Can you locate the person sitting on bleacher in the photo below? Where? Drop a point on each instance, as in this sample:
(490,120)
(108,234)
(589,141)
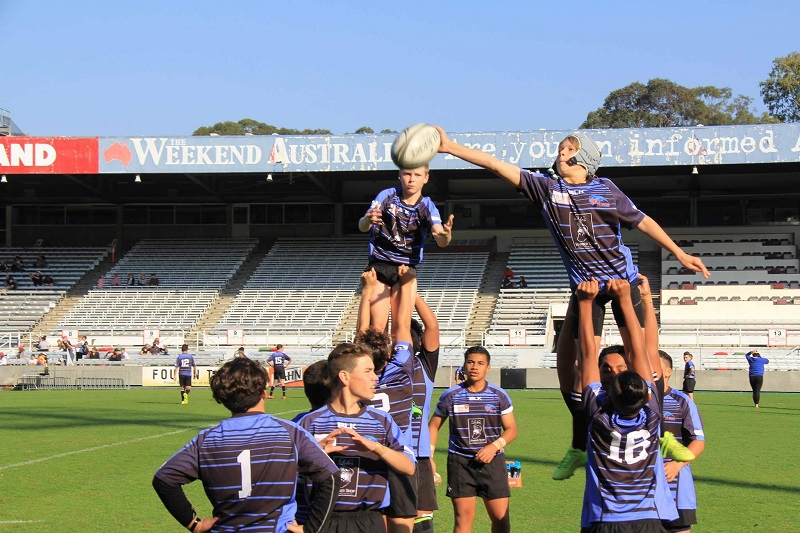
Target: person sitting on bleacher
(10,282)
(43,345)
(157,348)
(17,265)
(36,278)
(142,280)
(3,358)
(154,281)
(40,261)
(522,283)
(48,281)
(116,355)
(145,350)
(4,266)
(93,353)
(131,280)
(507,283)
(115,281)
(33,360)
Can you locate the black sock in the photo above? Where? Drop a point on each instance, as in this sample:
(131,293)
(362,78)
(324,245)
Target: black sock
(424,526)
(271,390)
(283,388)
(183,392)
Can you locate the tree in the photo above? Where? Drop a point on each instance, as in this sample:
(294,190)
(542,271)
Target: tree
(663,103)
(364,129)
(781,90)
(387,130)
(253,127)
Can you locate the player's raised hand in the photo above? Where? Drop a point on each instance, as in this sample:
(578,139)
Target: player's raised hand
(618,288)
(447,228)
(444,141)
(587,290)
(693,263)
(374,214)
(644,288)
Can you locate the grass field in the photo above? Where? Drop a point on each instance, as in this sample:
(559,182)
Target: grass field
(83,460)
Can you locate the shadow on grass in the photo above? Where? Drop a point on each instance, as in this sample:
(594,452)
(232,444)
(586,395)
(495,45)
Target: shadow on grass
(50,419)
(791,489)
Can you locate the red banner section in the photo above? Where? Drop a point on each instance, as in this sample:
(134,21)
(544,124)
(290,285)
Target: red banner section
(48,155)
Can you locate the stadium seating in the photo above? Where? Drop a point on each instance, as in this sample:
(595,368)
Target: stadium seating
(191,273)
(22,308)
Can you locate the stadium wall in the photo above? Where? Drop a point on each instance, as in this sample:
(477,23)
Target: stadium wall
(535,378)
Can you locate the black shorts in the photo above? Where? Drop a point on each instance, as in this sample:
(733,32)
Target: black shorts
(633,526)
(688,384)
(599,311)
(686,517)
(426,488)
(467,477)
(387,272)
(402,494)
(185,381)
(279,372)
(356,522)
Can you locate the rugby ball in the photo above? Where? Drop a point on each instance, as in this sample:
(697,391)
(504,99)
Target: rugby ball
(415,146)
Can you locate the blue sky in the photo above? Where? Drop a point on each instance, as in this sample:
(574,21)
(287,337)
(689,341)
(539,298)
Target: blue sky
(146,67)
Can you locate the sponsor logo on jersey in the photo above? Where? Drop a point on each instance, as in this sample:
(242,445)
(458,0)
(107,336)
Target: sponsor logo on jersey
(599,201)
(461,408)
(490,408)
(559,197)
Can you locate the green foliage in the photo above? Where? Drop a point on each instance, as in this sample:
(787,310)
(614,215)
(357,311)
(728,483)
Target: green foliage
(781,90)
(364,129)
(664,103)
(387,130)
(253,127)
(84,460)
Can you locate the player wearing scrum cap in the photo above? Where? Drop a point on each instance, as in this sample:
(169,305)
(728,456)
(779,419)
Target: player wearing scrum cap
(585,215)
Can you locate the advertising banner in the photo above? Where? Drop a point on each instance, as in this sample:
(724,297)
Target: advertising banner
(164,376)
(48,155)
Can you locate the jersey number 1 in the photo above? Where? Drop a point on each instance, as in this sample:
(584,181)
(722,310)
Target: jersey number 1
(247,482)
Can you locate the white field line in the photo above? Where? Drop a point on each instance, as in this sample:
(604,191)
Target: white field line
(104,446)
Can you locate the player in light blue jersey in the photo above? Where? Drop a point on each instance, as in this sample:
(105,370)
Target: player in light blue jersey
(682,419)
(398,221)
(249,464)
(481,426)
(626,488)
(363,441)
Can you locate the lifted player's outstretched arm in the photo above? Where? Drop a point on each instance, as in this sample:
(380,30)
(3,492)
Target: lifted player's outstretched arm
(620,290)
(589,370)
(652,229)
(507,171)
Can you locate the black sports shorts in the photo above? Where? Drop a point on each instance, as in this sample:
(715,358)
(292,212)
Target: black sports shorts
(356,522)
(387,272)
(185,381)
(688,384)
(633,526)
(466,477)
(426,488)
(599,311)
(402,494)
(279,372)
(686,517)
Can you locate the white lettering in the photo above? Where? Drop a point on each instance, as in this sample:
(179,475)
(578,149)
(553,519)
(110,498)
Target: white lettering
(748,144)
(22,155)
(796,145)
(27,155)
(767,143)
(340,153)
(44,155)
(728,145)
(536,150)
(518,148)
(634,151)
(651,143)
(604,147)
(358,154)
(149,149)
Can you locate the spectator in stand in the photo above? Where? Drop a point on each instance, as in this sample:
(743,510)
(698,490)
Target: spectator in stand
(508,273)
(240,352)
(123,354)
(145,350)
(17,265)
(43,345)
(42,359)
(507,284)
(93,353)
(116,355)
(756,373)
(131,280)
(154,281)
(22,353)
(523,284)
(157,348)
(82,347)
(142,280)
(101,283)
(33,360)
(115,281)
(10,282)
(3,358)
(48,281)
(4,266)
(36,278)
(40,261)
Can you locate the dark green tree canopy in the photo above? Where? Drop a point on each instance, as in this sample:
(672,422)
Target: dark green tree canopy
(664,103)
(253,127)
(781,90)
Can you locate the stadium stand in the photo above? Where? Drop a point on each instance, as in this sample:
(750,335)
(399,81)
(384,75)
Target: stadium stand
(191,272)
(22,308)
(304,286)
